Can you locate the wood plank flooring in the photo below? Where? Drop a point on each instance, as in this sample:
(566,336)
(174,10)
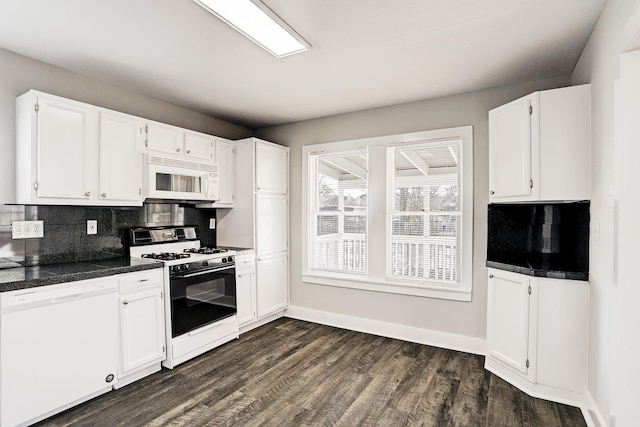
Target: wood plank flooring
(294,373)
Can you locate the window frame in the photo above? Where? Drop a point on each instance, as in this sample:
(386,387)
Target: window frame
(378,277)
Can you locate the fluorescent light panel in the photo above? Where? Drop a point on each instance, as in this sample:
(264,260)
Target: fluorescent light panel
(258,23)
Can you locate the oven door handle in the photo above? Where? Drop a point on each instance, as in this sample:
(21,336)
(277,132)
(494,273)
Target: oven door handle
(200,273)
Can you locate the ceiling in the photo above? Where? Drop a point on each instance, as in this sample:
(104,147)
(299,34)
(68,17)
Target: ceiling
(365,53)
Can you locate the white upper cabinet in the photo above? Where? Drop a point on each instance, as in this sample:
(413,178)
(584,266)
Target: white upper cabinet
(272,164)
(166,139)
(540,147)
(199,146)
(70,153)
(120,157)
(175,141)
(510,150)
(56,142)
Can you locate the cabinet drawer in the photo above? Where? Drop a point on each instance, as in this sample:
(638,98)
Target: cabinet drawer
(245,264)
(141,280)
(212,336)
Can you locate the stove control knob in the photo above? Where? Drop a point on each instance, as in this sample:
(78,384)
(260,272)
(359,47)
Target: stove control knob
(224,260)
(186,266)
(230,259)
(205,263)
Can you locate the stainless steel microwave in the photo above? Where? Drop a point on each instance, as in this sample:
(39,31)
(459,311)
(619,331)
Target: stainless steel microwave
(177,179)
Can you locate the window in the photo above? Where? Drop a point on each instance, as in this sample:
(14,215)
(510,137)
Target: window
(391,214)
(339,207)
(425,211)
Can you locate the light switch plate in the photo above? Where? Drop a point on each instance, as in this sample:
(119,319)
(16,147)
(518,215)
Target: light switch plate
(212,223)
(92,226)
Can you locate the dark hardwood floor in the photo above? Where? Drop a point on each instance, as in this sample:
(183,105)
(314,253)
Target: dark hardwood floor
(294,373)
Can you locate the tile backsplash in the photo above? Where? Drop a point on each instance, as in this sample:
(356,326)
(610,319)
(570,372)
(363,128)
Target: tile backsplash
(65,230)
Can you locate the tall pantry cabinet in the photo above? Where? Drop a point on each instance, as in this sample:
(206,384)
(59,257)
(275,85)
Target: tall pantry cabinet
(260,220)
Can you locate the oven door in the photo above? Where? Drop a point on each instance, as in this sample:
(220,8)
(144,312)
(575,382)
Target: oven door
(201,298)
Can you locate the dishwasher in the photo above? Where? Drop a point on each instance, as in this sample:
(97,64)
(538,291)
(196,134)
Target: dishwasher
(58,347)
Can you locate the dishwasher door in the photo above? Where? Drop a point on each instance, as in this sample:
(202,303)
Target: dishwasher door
(58,347)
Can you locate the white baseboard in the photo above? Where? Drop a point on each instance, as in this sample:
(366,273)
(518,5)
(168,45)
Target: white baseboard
(592,414)
(390,330)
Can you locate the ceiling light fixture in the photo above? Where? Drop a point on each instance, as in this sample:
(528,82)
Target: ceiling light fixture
(258,23)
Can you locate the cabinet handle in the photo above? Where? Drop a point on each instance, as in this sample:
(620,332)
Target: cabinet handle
(492,192)
(491,276)
(87,193)
(104,194)
(125,302)
(178,150)
(143,280)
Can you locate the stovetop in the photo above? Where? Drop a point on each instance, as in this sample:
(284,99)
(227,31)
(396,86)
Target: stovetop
(174,245)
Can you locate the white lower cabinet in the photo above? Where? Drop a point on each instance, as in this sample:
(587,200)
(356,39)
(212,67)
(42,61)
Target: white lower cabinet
(272,283)
(142,335)
(537,334)
(246,289)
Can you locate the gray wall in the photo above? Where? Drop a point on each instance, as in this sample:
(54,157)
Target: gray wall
(615,32)
(460,318)
(18,74)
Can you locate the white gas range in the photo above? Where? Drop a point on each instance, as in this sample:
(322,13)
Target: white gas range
(200,285)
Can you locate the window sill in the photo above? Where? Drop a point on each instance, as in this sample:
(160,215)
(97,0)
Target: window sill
(421,290)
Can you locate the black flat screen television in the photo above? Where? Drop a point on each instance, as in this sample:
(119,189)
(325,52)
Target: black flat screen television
(545,237)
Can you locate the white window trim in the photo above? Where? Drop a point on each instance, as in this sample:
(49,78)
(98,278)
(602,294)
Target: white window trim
(380,282)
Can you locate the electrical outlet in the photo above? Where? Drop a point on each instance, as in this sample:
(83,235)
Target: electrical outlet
(92,226)
(27,229)
(212,223)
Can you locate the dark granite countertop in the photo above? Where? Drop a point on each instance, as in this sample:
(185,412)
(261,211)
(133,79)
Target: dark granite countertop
(14,277)
(551,274)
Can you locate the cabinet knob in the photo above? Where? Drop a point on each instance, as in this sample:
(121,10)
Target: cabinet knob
(492,192)
(188,151)
(125,302)
(491,276)
(104,194)
(178,150)
(87,193)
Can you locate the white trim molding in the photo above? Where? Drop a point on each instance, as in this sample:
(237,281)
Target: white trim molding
(390,330)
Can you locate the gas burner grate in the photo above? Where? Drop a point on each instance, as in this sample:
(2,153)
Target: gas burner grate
(204,250)
(166,256)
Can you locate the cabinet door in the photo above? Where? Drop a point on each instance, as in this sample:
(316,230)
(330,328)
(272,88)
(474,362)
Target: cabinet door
(246,296)
(272,168)
(225,161)
(272,279)
(164,139)
(271,223)
(198,146)
(67,138)
(120,169)
(510,158)
(141,328)
(508,318)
